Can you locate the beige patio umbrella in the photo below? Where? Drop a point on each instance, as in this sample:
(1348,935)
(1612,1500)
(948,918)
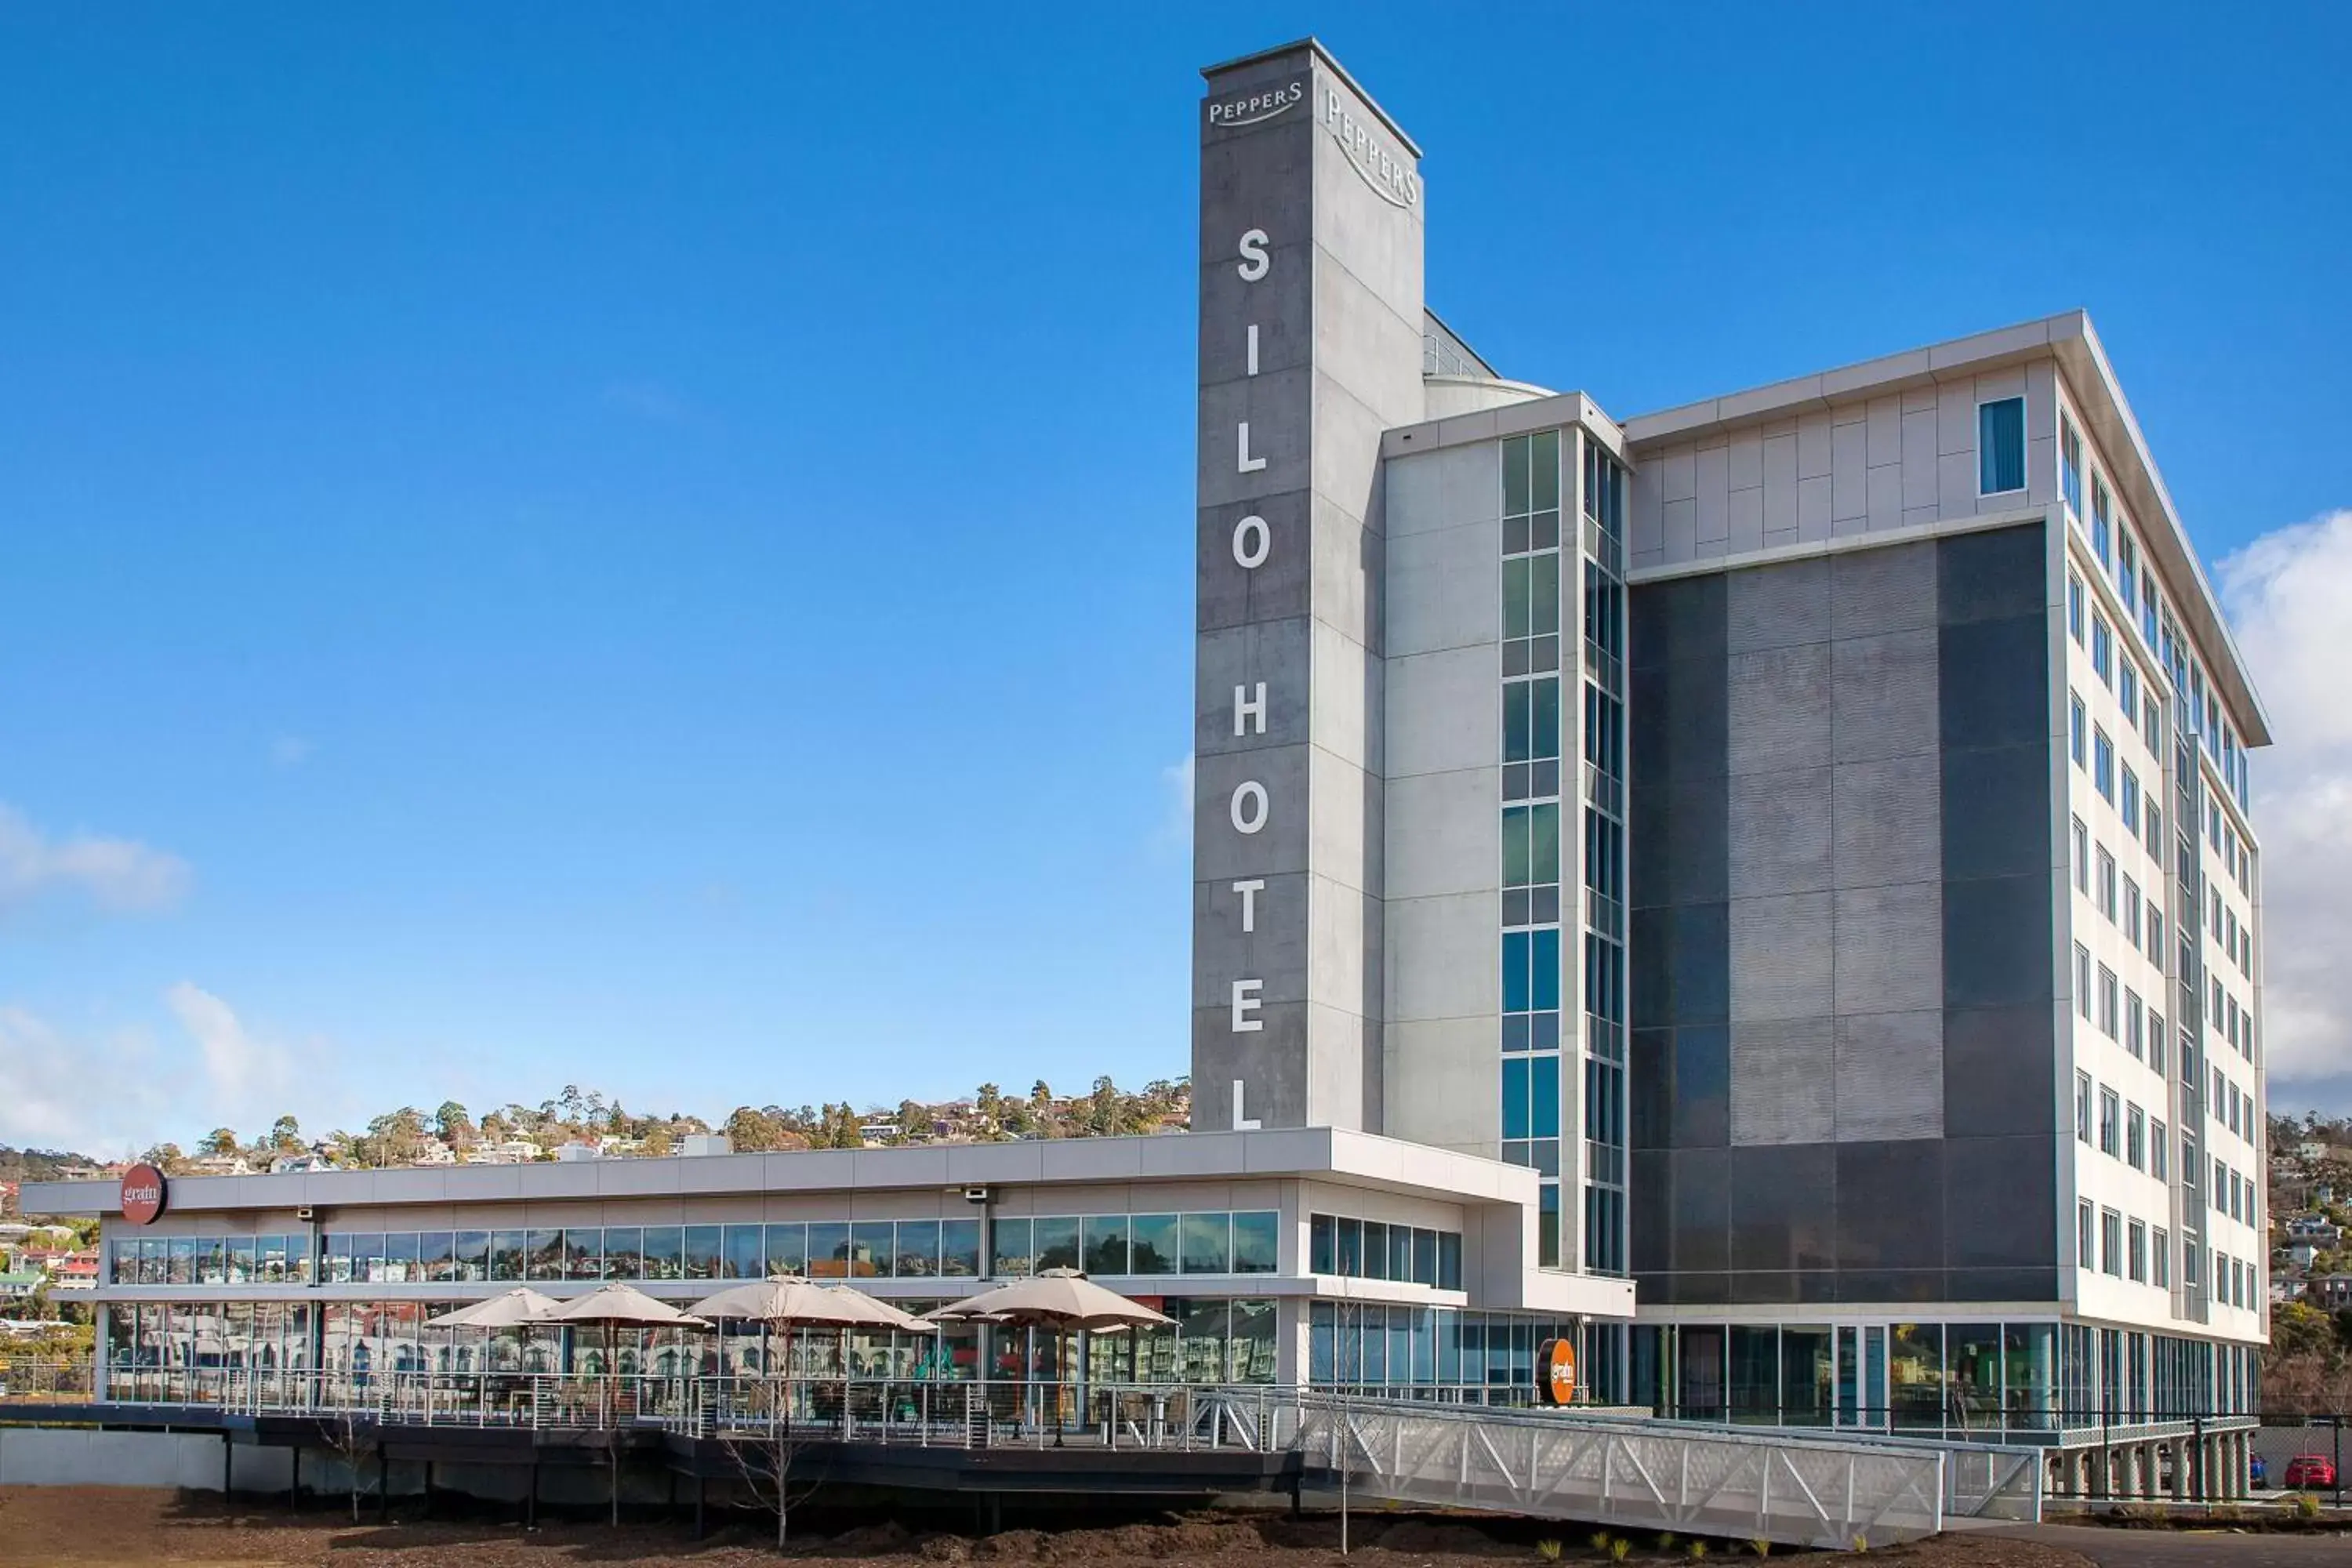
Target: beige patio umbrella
(507,1309)
(791,1303)
(1062,1299)
(515,1308)
(618,1306)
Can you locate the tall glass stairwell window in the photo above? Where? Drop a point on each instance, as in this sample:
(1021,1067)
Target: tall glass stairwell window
(1604,859)
(1532,960)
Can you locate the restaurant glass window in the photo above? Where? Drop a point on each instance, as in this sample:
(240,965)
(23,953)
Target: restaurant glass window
(917,1250)
(583,1252)
(786,1249)
(1252,1332)
(1376,1250)
(664,1252)
(1257,1242)
(402,1259)
(625,1252)
(1915,1375)
(1322,1246)
(1012,1245)
(1208,1244)
(506,1254)
(1057,1243)
(873,1245)
(1105,1244)
(742,1253)
(960,1249)
(1153,1244)
(544,1254)
(437,1257)
(704,1248)
(240,1260)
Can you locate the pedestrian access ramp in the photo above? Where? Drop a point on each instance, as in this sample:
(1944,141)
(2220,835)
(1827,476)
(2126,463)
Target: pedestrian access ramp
(1792,1489)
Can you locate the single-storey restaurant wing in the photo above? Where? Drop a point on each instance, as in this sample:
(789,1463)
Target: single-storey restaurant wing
(1280,1256)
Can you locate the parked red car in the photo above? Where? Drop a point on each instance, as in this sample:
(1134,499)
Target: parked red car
(2306,1472)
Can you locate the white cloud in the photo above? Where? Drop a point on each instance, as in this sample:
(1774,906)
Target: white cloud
(115,1091)
(235,1065)
(115,874)
(289,752)
(2289,595)
(94,1094)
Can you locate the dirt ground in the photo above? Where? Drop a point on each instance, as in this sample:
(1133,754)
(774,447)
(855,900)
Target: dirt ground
(109,1528)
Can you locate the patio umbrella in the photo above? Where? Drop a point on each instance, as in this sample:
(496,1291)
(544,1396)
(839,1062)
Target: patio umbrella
(507,1309)
(618,1306)
(515,1308)
(1061,1299)
(789,1302)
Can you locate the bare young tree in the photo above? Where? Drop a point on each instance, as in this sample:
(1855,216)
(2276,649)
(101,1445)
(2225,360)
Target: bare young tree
(763,1456)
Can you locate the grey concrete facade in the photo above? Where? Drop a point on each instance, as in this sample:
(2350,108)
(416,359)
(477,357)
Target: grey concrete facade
(1310,347)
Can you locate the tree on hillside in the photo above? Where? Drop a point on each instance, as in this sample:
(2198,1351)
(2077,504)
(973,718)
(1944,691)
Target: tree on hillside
(220,1141)
(455,1126)
(286,1135)
(751,1131)
(166,1158)
(659,1139)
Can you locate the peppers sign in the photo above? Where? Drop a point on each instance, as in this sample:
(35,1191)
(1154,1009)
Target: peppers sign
(143,1194)
(1555,1371)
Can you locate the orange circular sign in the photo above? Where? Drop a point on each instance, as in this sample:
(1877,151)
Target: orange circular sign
(1555,1361)
(144,1192)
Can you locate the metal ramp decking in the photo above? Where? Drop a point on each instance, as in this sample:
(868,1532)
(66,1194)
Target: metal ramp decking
(1628,1473)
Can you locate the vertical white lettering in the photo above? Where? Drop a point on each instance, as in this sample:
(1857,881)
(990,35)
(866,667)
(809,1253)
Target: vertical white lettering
(1254,262)
(1242,1121)
(1249,888)
(1253,542)
(1248,807)
(1247,707)
(1253,348)
(1245,1002)
(1245,463)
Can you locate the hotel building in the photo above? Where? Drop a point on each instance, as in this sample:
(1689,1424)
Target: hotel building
(1763,887)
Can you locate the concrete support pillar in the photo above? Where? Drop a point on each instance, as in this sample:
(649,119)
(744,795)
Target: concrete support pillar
(2240,1453)
(2177,1451)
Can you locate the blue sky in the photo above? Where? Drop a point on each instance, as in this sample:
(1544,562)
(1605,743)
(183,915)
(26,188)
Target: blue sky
(653,551)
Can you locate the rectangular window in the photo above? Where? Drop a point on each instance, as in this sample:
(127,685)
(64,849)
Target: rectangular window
(2155,933)
(2107,1024)
(2136,1264)
(2188,1262)
(2083,979)
(2099,540)
(2134,1021)
(2135,1138)
(2127,689)
(2070,466)
(2159,1153)
(2161,1255)
(2111,1117)
(2103,651)
(2111,1242)
(2082,1106)
(2082,857)
(2000,445)
(2082,1222)
(2151,727)
(2074,607)
(2107,884)
(2127,565)
(2130,804)
(2103,765)
(2131,912)
(2148,610)
(2078,725)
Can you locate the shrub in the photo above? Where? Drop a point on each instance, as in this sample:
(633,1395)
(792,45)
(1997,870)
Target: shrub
(1548,1549)
(2306,1505)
